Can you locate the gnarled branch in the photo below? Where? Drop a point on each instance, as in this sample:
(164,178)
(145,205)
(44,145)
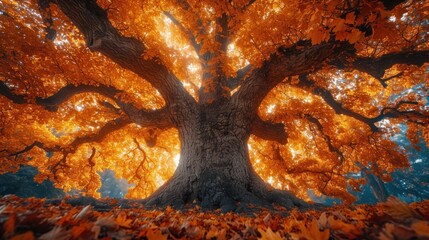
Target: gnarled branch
(108,128)
(326,95)
(301,58)
(376,67)
(156,118)
(385,113)
(327,138)
(52,102)
(269,131)
(128,52)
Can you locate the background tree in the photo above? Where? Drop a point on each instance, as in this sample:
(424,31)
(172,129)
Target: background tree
(298,93)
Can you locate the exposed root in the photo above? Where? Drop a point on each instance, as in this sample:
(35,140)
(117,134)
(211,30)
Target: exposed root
(216,193)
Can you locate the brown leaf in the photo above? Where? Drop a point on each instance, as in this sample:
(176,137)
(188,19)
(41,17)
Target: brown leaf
(9,225)
(421,228)
(24,236)
(57,233)
(269,235)
(398,209)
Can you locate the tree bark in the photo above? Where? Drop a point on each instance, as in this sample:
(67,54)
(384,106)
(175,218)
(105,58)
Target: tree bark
(214,169)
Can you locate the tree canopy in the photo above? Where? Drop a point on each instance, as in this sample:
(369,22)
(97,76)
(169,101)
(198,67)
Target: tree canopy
(90,85)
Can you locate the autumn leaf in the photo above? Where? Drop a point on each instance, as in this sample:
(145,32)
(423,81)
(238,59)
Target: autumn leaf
(155,234)
(9,225)
(350,18)
(421,228)
(123,221)
(316,36)
(24,236)
(398,209)
(269,235)
(57,233)
(354,36)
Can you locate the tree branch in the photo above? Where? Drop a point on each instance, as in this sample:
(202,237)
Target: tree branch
(301,58)
(191,37)
(52,102)
(234,82)
(269,131)
(156,118)
(108,128)
(386,112)
(35,144)
(376,67)
(327,138)
(128,52)
(421,118)
(326,95)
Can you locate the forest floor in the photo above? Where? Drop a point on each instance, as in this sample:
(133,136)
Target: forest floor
(31,218)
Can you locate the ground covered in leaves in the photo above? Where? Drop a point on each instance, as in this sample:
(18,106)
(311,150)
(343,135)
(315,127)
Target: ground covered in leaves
(34,219)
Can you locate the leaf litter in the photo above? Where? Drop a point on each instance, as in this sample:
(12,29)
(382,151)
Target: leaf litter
(32,218)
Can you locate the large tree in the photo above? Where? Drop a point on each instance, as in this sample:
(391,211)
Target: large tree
(296,93)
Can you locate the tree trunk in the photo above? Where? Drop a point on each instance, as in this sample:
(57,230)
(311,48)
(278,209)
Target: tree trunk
(214,169)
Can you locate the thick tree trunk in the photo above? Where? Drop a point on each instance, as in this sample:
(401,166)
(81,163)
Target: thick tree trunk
(214,169)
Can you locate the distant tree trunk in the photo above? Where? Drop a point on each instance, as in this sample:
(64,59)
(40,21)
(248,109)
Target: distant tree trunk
(214,169)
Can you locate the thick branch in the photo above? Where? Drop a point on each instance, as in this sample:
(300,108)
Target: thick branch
(301,58)
(391,4)
(421,118)
(108,128)
(214,85)
(376,67)
(156,118)
(236,81)
(387,112)
(35,144)
(5,91)
(269,131)
(128,52)
(307,84)
(52,102)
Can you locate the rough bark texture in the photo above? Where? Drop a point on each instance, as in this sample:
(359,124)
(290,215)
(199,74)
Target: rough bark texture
(214,169)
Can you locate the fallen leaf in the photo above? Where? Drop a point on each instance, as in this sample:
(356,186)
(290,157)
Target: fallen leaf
(9,225)
(57,233)
(24,236)
(155,234)
(421,228)
(269,235)
(123,221)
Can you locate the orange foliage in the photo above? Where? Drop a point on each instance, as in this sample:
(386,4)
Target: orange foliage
(323,145)
(392,220)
